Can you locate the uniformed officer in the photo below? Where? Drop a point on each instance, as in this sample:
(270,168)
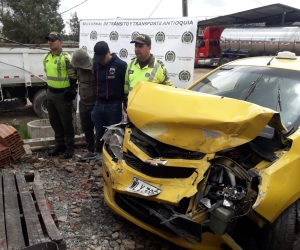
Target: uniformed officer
(144,67)
(61,90)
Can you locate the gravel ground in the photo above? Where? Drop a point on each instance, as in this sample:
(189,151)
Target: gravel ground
(75,190)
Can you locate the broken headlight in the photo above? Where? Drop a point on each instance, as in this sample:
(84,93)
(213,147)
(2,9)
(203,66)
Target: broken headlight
(113,137)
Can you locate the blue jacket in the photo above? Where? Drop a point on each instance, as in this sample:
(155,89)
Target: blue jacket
(110,80)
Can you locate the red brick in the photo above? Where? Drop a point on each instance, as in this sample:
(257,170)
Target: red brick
(4,151)
(17,154)
(18,144)
(5,161)
(7,135)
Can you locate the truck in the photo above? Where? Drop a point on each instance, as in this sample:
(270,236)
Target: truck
(22,77)
(217,45)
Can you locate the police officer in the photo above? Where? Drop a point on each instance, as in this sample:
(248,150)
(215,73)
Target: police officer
(144,67)
(61,90)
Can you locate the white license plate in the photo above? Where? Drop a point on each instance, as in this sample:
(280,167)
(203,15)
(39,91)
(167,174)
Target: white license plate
(143,188)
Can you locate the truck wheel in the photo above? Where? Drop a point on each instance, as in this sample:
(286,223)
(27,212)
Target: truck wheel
(281,234)
(39,102)
(13,104)
(224,60)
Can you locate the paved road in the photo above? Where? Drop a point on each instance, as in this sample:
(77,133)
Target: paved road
(27,113)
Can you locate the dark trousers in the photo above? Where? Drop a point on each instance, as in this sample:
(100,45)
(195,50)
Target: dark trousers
(106,115)
(85,112)
(60,117)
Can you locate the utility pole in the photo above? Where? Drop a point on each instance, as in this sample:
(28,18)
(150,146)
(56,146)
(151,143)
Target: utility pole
(184,7)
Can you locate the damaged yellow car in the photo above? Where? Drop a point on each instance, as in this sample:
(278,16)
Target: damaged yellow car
(214,166)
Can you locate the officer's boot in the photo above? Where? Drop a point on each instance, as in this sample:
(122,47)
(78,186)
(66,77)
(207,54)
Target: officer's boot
(58,149)
(69,152)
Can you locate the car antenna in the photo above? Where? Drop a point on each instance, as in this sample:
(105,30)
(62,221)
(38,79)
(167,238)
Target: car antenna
(296,23)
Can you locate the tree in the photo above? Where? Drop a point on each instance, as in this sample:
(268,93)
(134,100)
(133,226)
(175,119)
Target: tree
(74,27)
(3,5)
(29,21)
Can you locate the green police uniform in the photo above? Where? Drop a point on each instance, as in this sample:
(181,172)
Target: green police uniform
(61,76)
(155,72)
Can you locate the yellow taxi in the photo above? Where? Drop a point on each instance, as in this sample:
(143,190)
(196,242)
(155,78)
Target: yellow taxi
(214,166)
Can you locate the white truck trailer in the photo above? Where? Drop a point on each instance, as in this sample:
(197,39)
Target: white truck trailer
(22,77)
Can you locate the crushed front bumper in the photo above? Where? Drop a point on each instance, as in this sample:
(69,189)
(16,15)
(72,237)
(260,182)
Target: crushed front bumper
(118,176)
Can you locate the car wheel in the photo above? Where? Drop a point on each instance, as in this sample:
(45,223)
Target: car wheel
(224,60)
(39,103)
(281,234)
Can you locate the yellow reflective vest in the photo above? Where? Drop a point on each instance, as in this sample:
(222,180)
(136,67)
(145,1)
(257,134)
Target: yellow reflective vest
(155,72)
(58,69)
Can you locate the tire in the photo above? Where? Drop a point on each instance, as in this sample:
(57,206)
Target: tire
(224,60)
(13,104)
(280,235)
(39,102)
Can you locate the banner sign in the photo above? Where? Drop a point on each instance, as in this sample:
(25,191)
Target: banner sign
(173,41)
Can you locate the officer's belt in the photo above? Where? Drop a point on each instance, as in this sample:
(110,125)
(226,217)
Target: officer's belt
(56,90)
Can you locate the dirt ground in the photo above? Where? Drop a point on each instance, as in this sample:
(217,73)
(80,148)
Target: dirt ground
(27,113)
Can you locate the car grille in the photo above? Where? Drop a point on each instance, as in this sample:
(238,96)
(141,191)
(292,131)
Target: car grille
(159,171)
(133,209)
(145,211)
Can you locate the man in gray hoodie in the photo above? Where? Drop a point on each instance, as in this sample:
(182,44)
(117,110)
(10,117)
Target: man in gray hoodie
(87,92)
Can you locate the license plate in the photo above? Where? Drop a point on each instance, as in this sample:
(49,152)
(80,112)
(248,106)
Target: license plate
(141,187)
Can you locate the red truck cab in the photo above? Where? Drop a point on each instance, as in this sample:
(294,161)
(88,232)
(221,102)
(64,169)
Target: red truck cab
(208,47)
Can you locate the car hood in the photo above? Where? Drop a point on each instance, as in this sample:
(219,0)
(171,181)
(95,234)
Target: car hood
(197,121)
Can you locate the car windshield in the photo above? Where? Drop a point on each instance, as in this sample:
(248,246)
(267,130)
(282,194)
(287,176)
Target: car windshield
(277,89)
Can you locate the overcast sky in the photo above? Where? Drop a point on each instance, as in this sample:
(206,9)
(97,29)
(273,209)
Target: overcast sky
(102,9)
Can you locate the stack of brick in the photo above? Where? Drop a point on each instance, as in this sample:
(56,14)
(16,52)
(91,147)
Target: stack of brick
(11,145)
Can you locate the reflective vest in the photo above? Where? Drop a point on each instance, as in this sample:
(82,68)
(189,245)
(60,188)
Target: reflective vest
(55,67)
(154,72)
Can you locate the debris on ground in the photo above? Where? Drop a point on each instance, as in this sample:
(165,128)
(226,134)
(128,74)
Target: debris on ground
(75,191)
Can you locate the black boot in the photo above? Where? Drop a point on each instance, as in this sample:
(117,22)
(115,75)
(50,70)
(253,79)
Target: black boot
(58,149)
(69,152)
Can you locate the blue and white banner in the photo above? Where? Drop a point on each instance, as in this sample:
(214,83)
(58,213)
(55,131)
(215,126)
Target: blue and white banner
(173,41)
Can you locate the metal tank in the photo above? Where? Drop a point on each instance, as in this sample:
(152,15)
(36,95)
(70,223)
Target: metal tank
(261,41)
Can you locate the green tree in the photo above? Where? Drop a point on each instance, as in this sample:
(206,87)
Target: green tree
(74,27)
(3,5)
(29,21)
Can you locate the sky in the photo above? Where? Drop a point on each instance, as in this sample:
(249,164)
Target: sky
(203,9)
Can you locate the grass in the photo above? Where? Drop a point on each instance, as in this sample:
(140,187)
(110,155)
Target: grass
(22,130)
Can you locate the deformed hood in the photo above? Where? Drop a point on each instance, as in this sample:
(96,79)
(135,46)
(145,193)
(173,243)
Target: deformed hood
(197,121)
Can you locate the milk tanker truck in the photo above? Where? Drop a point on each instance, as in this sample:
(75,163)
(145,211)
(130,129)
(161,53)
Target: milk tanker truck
(217,46)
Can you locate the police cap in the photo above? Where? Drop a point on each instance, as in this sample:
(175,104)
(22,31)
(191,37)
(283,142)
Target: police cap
(54,36)
(142,39)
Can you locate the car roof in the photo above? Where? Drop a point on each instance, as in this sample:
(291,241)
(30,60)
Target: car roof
(291,64)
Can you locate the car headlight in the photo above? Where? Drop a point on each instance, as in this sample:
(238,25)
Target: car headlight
(113,137)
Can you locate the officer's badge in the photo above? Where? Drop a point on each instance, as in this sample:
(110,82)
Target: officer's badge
(112,71)
(130,71)
(147,75)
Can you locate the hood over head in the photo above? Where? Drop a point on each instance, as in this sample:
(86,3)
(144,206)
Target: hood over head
(196,121)
(82,60)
